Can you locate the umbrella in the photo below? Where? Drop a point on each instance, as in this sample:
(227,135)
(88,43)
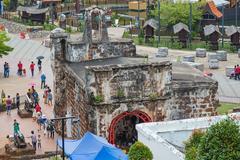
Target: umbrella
(40,57)
(32,84)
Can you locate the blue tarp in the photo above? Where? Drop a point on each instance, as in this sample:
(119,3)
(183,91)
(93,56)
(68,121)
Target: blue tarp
(91,147)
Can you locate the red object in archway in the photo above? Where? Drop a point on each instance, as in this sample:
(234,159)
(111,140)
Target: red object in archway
(141,115)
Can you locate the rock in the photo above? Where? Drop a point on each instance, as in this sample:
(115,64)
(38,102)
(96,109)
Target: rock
(222,55)
(162,52)
(189,58)
(201,52)
(229,70)
(213,64)
(24,114)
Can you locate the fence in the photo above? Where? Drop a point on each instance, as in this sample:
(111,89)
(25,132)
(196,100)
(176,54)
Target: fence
(23,98)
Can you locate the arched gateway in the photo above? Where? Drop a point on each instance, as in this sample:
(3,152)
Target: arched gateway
(133,117)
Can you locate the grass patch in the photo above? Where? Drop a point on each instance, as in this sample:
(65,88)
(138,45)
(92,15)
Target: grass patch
(226,107)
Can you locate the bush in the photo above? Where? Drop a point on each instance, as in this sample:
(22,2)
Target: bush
(221,142)
(120,93)
(138,151)
(98,99)
(191,146)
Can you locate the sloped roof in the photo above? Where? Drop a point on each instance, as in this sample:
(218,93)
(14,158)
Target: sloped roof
(230,30)
(151,22)
(32,10)
(209,29)
(178,27)
(214,10)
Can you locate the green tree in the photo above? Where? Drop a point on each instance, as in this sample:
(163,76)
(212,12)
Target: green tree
(6,4)
(221,142)
(4,49)
(138,151)
(191,145)
(173,13)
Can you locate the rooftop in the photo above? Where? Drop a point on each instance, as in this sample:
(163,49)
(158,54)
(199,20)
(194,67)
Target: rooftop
(181,72)
(166,139)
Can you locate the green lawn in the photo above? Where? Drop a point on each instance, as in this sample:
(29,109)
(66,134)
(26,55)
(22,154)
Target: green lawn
(226,107)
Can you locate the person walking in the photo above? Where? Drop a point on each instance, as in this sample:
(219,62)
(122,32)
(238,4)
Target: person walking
(5,70)
(39,142)
(17,101)
(50,96)
(9,105)
(34,140)
(16,127)
(20,67)
(43,81)
(32,65)
(39,65)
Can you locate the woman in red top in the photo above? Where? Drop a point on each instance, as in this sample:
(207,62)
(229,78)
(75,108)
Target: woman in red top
(38,108)
(32,68)
(20,67)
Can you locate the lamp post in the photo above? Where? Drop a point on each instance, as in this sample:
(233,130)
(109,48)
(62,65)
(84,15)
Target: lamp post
(62,119)
(236,13)
(158,23)
(222,25)
(190,23)
(138,20)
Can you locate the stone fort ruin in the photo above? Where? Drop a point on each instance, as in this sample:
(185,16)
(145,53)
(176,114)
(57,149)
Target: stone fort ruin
(111,88)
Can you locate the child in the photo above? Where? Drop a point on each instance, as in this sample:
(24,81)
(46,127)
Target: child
(17,101)
(24,72)
(39,141)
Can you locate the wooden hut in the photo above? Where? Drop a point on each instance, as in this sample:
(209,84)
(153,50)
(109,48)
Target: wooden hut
(149,27)
(182,31)
(212,33)
(234,33)
(32,13)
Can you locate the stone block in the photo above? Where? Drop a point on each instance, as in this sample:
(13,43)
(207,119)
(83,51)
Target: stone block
(201,52)
(24,114)
(162,52)
(188,58)
(212,56)
(213,64)
(229,70)
(198,66)
(222,55)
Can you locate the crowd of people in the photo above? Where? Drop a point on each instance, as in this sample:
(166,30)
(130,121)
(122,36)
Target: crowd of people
(21,71)
(236,73)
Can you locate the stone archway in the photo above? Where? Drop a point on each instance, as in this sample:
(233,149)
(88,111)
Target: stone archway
(139,114)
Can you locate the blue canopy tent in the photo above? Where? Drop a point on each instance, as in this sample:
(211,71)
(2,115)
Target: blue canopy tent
(91,147)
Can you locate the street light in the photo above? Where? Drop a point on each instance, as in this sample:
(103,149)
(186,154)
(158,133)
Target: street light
(236,13)
(62,119)
(222,25)
(190,23)
(158,23)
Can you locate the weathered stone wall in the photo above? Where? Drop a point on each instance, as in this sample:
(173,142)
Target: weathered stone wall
(139,81)
(193,99)
(80,51)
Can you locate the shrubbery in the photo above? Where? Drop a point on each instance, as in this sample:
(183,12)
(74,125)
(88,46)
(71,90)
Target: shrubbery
(138,151)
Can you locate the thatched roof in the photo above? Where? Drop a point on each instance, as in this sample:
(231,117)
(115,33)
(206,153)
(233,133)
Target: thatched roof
(231,30)
(209,29)
(32,10)
(180,26)
(151,22)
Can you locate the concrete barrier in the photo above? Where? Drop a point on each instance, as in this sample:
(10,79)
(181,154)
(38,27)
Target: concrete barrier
(229,70)
(222,55)
(189,58)
(213,64)
(201,52)
(198,66)
(212,56)
(162,52)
